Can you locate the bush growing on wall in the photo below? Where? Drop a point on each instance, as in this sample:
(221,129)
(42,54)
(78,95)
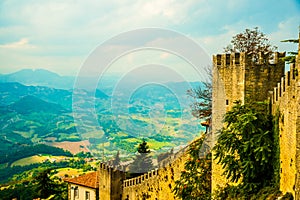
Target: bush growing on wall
(195,180)
(245,147)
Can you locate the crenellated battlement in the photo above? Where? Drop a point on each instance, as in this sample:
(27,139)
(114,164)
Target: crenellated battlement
(285,107)
(290,77)
(243,59)
(245,78)
(113,182)
(155,184)
(154,174)
(229,59)
(140,179)
(106,167)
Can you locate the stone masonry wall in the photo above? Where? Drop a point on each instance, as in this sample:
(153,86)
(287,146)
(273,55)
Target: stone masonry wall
(156,184)
(233,79)
(110,182)
(261,78)
(285,103)
(237,77)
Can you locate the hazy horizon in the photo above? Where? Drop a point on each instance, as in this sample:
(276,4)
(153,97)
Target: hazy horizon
(61,43)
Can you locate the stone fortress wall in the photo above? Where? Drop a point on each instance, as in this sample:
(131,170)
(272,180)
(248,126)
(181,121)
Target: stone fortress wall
(285,104)
(152,185)
(156,184)
(235,77)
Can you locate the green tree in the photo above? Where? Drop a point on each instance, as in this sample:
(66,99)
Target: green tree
(251,42)
(195,179)
(84,155)
(45,186)
(143,161)
(22,190)
(245,146)
(61,189)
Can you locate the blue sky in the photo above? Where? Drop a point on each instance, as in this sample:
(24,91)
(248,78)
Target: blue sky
(59,35)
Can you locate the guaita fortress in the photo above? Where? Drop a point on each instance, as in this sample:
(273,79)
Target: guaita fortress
(235,77)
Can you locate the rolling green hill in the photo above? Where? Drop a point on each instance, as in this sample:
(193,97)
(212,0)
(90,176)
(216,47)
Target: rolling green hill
(12,92)
(32,104)
(104,124)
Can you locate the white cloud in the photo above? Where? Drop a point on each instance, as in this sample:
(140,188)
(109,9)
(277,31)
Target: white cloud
(23,43)
(214,44)
(286,30)
(71,28)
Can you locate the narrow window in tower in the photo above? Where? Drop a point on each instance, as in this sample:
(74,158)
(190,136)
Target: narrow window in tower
(227,102)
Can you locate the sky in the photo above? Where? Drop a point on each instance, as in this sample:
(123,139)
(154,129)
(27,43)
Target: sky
(60,35)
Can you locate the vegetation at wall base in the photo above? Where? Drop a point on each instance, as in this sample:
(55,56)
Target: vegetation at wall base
(247,149)
(230,192)
(276,149)
(195,180)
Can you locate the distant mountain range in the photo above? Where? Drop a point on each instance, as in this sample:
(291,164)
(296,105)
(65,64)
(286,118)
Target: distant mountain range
(39,77)
(41,110)
(36,106)
(14,91)
(42,77)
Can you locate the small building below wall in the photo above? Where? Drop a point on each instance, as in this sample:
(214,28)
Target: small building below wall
(84,187)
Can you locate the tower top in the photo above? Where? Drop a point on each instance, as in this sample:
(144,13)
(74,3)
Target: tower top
(243,58)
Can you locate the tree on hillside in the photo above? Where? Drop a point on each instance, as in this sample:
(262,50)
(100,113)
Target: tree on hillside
(45,186)
(195,180)
(84,154)
(143,161)
(252,42)
(246,146)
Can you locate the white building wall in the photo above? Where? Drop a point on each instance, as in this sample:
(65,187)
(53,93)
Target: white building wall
(82,192)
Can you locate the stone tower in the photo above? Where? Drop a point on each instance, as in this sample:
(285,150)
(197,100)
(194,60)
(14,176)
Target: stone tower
(110,182)
(237,77)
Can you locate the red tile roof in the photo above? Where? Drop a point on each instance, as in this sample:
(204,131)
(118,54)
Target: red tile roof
(88,180)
